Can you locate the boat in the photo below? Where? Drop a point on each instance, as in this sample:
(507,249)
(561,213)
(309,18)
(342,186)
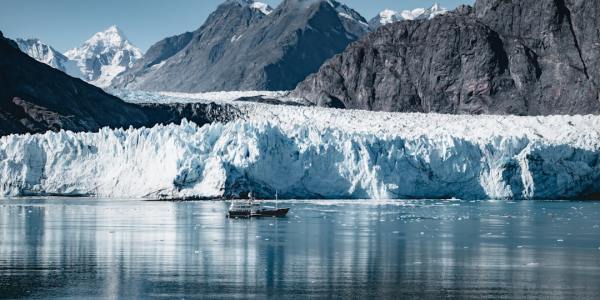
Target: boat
(250,209)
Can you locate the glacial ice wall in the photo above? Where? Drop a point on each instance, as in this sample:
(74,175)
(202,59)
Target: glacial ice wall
(297,161)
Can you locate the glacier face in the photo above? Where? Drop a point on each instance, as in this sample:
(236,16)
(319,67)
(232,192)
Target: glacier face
(300,155)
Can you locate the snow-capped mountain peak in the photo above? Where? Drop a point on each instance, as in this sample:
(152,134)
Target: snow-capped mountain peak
(424,13)
(104,56)
(108,40)
(262,7)
(389,16)
(436,10)
(41,52)
(417,13)
(44,53)
(113,36)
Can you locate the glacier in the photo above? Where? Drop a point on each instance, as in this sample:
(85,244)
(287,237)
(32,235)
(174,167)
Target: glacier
(307,152)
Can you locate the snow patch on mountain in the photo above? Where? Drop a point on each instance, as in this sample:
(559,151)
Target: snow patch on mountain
(44,53)
(389,16)
(104,56)
(262,7)
(307,152)
(349,14)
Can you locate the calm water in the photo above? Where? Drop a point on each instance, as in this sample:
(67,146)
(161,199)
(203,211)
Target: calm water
(83,248)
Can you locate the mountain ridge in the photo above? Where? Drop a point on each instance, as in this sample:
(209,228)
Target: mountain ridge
(389,16)
(45,53)
(97,61)
(498,57)
(251,54)
(35,98)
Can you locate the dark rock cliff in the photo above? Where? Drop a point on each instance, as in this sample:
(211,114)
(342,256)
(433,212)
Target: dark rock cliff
(500,57)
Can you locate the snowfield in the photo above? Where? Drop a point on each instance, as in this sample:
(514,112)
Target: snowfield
(140,97)
(309,152)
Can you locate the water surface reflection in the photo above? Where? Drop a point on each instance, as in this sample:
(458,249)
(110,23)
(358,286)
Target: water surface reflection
(73,248)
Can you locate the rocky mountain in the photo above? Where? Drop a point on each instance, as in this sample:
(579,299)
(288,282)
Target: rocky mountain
(243,46)
(48,55)
(104,56)
(389,16)
(35,97)
(353,21)
(498,57)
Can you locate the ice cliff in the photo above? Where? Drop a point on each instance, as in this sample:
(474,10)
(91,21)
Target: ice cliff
(299,155)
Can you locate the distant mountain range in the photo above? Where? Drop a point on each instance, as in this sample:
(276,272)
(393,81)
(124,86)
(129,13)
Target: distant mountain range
(48,55)
(285,45)
(35,97)
(389,16)
(497,57)
(98,61)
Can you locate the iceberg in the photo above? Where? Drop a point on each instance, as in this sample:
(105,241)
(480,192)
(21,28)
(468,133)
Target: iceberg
(313,153)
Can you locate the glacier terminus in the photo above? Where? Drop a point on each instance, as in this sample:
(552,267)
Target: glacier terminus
(309,152)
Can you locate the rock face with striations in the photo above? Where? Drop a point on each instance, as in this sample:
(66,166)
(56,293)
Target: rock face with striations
(500,57)
(243,46)
(35,97)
